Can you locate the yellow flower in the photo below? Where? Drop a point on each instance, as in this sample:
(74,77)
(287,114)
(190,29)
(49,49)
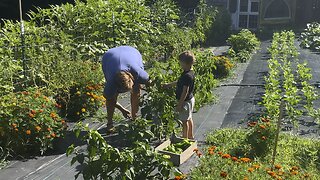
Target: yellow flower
(250,170)
(78,93)
(83,110)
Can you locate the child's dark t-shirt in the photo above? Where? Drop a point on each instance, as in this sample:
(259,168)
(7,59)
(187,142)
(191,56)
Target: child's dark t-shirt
(186,79)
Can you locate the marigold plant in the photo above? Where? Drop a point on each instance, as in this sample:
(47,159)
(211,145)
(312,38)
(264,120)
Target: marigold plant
(29,121)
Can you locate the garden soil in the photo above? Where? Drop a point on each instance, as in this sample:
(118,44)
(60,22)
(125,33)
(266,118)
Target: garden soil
(238,102)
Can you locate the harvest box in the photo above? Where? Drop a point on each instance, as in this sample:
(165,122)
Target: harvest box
(177,159)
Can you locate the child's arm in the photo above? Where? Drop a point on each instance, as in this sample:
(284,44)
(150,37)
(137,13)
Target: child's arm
(169,85)
(183,96)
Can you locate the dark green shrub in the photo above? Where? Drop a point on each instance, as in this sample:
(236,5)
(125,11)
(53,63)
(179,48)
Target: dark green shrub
(243,45)
(220,29)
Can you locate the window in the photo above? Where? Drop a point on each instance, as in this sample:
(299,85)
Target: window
(253,21)
(243,21)
(254,7)
(243,5)
(233,6)
(277,9)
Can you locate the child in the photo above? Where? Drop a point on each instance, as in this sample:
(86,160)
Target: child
(184,93)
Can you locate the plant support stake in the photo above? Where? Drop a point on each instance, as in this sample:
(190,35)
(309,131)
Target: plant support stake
(277,134)
(22,43)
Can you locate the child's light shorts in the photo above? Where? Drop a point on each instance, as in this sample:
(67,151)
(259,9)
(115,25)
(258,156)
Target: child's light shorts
(187,110)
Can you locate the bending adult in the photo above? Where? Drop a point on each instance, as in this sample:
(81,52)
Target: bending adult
(124,71)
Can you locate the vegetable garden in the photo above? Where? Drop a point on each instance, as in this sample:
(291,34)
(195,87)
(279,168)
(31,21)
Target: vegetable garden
(51,76)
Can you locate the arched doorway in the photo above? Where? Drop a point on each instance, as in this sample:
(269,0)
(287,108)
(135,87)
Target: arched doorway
(277,9)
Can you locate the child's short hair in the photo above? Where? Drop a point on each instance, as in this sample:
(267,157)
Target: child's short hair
(187,57)
(123,81)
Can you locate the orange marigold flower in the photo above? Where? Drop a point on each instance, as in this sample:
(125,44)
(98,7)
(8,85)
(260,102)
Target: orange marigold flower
(63,121)
(211,152)
(277,166)
(199,154)
(252,124)
(31,115)
(49,129)
(256,166)
(212,148)
(196,150)
(262,126)
(226,156)
(245,159)
(294,168)
(25,92)
(53,135)
(263,138)
(177,178)
(53,115)
(271,173)
(220,153)
(38,128)
(223,174)
(250,169)
(294,172)
(33,111)
(234,159)
(265,119)
(40,110)
(28,132)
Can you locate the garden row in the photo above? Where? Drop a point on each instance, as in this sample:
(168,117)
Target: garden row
(256,152)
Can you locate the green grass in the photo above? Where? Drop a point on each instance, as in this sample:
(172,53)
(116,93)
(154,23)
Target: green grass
(295,155)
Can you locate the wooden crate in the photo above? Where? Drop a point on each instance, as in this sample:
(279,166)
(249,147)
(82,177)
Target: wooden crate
(177,159)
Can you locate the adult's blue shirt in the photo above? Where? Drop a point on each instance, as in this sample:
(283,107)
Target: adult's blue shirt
(122,58)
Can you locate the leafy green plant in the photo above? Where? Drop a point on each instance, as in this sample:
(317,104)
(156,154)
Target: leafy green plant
(29,121)
(101,160)
(311,36)
(243,44)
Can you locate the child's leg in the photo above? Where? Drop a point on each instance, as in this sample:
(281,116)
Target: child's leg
(185,129)
(190,129)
